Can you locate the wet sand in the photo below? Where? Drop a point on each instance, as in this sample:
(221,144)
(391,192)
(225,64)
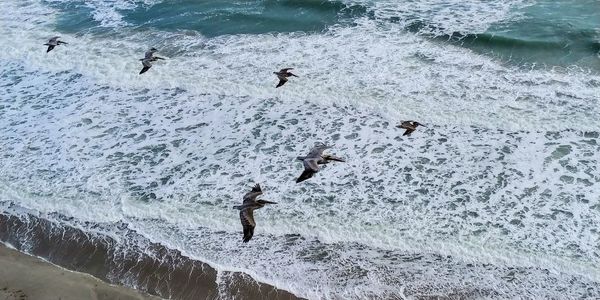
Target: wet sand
(132,261)
(27,277)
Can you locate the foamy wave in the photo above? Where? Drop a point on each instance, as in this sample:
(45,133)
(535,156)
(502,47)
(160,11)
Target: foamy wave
(375,65)
(171,163)
(445,17)
(492,184)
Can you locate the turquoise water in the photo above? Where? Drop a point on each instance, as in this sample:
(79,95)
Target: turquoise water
(214,18)
(544,34)
(552,33)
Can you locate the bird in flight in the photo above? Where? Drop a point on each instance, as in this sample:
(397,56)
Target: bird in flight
(410,126)
(148,59)
(283,75)
(247,210)
(53,42)
(312,161)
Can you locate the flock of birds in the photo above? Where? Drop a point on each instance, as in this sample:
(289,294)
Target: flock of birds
(311,161)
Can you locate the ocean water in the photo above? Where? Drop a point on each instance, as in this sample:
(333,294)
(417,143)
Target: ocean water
(496,198)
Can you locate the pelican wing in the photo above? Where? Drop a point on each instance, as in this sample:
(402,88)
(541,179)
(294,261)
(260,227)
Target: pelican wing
(310,168)
(251,195)
(146,63)
(247,218)
(305,175)
(407,125)
(50,47)
(311,164)
(282,81)
(53,40)
(408,131)
(283,71)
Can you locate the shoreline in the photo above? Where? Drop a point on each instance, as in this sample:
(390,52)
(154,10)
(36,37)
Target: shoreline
(23,276)
(131,263)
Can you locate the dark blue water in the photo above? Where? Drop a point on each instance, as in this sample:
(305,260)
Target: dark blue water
(546,33)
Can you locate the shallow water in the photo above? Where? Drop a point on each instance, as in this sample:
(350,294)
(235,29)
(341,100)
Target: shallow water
(496,198)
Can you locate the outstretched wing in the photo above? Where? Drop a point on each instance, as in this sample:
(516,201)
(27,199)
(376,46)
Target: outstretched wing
(252,194)
(408,131)
(311,164)
(53,40)
(247,218)
(282,81)
(310,168)
(285,70)
(50,47)
(305,175)
(146,63)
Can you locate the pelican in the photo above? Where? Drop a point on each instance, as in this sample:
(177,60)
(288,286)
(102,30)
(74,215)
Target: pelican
(410,126)
(247,210)
(312,161)
(53,42)
(148,58)
(283,74)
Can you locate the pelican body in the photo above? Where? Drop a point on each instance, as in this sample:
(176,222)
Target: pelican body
(148,59)
(312,161)
(410,126)
(247,208)
(53,42)
(283,75)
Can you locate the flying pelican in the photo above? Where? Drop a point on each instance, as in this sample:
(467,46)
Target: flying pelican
(283,74)
(410,126)
(312,161)
(53,42)
(148,58)
(247,210)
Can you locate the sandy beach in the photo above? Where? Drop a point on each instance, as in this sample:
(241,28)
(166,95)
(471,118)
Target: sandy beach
(148,267)
(27,277)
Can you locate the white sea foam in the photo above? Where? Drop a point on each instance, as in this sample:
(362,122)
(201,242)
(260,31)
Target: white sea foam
(487,191)
(445,17)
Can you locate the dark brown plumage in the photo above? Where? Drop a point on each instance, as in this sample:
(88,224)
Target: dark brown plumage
(53,42)
(247,208)
(312,161)
(148,59)
(410,126)
(282,75)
